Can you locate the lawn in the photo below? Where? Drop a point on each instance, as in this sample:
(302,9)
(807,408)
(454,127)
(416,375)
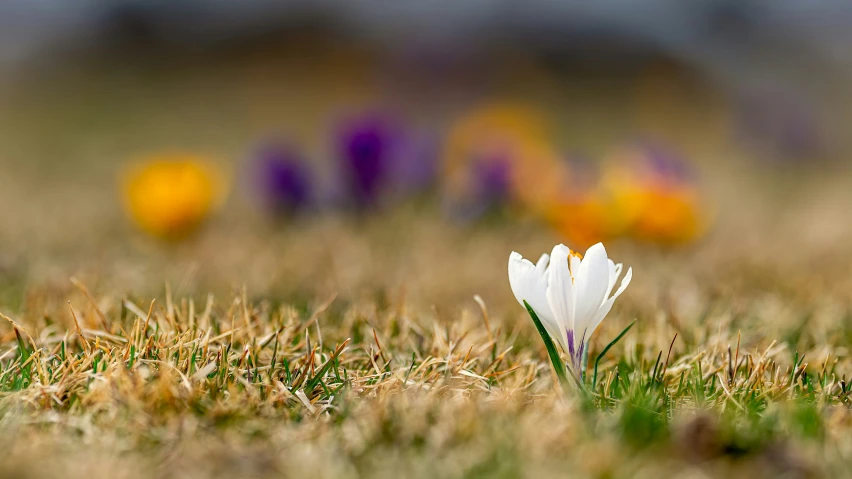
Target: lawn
(389,344)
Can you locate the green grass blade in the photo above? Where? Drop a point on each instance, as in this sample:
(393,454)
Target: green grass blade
(22,347)
(551,348)
(314,381)
(25,356)
(606,349)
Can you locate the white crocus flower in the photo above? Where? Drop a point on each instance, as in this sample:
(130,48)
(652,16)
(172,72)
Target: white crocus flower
(571,294)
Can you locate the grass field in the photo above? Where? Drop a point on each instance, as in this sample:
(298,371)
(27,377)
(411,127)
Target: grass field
(354,347)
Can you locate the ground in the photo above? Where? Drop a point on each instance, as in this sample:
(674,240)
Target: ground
(354,346)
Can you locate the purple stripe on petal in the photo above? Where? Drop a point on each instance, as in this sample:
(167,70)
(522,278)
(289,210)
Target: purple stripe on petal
(575,351)
(571,344)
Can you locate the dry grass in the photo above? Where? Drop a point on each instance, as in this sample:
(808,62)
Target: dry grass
(350,373)
(353,347)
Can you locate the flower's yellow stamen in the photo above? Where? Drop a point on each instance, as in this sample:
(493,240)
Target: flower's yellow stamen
(570,270)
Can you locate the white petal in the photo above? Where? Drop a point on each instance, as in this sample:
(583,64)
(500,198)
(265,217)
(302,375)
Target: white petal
(529,283)
(560,290)
(607,306)
(624,283)
(541,266)
(592,282)
(614,273)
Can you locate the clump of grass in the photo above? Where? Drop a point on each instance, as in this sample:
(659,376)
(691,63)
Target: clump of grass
(340,388)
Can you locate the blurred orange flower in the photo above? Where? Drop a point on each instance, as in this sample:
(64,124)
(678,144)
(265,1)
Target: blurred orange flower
(170,195)
(653,198)
(666,216)
(583,219)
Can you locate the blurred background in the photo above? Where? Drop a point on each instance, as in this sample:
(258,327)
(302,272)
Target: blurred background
(304,146)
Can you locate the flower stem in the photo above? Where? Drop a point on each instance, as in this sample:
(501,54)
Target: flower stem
(558,367)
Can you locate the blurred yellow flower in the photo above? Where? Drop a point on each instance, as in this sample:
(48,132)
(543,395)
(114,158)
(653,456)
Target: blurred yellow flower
(505,133)
(654,199)
(666,216)
(170,195)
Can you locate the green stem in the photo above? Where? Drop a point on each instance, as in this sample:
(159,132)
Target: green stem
(555,360)
(558,366)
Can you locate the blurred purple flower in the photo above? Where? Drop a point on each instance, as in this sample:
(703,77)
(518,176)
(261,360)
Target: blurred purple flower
(492,179)
(786,127)
(378,155)
(283,179)
(364,146)
(584,172)
(489,189)
(415,162)
(664,163)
